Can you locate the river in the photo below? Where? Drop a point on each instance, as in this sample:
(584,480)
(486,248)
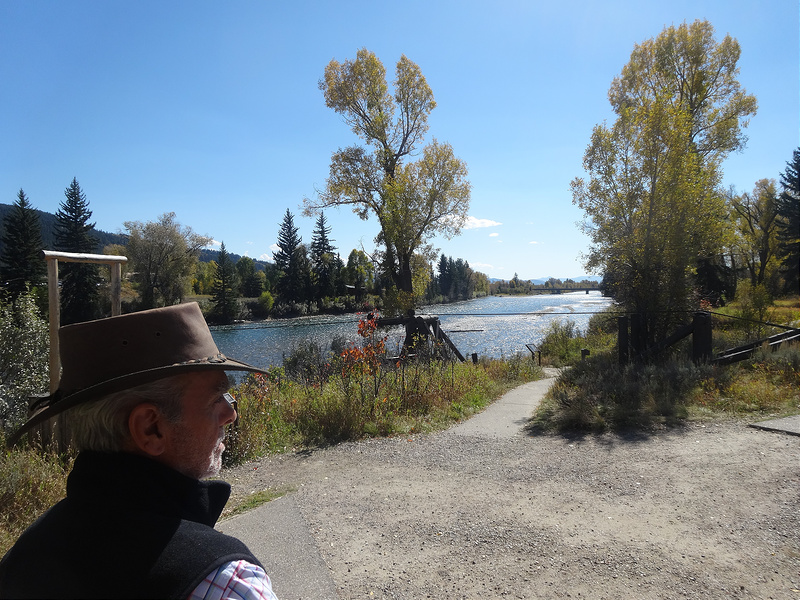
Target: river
(495,326)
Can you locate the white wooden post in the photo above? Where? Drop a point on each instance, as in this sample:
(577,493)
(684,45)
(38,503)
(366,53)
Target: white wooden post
(52,258)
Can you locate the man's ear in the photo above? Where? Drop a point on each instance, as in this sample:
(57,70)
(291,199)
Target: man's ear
(146,426)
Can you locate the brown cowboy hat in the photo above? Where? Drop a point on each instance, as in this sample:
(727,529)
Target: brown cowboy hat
(110,355)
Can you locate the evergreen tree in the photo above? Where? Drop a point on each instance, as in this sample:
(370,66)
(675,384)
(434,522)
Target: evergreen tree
(224,293)
(288,241)
(21,262)
(445,276)
(296,285)
(292,261)
(323,259)
(80,299)
(340,288)
(789,223)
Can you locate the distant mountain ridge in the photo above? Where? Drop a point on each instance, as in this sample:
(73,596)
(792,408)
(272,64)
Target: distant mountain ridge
(543,280)
(48,220)
(104,238)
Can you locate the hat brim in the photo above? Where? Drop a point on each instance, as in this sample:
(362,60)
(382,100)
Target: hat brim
(56,403)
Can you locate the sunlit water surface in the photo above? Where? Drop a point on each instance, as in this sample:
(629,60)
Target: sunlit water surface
(495,326)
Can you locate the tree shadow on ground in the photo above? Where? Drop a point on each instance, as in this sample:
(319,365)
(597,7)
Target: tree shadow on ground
(609,436)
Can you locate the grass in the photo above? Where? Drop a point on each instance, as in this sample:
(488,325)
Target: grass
(598,394)
(238,506)
(278,413)
(29,484)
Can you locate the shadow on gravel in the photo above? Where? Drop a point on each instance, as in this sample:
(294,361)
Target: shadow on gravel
(608,437)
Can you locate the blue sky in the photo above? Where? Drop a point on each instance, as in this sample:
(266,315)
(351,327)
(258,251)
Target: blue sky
(212,109)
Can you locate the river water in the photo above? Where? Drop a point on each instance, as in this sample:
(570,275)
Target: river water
(495,326)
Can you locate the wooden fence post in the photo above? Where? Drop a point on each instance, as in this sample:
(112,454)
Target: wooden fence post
(52,258)
(701,337)
(638,340)
(622,339)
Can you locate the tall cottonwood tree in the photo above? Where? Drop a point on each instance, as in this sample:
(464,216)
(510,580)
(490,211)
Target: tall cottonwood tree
(789,223)
(756,219)
(163,255)
(359,274)
(80,298)
(251,282)
(651,203)
(412,200)
(21,263)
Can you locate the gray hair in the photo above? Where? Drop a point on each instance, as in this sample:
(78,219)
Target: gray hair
(102,425)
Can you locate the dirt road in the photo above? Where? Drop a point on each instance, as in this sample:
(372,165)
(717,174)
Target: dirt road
(707,511)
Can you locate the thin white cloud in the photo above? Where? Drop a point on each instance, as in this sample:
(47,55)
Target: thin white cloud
(475,223)
(494,234)
(213,243)
(481,266)
(534,242)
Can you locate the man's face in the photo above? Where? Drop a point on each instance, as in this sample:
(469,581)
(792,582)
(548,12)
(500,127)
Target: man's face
(195,441)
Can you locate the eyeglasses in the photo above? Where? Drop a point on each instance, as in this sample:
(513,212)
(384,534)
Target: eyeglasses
(232,401)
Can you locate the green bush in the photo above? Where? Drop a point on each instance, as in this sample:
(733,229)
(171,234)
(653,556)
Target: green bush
(562,343)
(598,394)
(264,425)
(24,356)
(308,362)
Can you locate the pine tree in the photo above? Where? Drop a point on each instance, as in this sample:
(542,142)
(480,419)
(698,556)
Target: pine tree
(290,260)
(21,263)
(445,279)
(323,259)
(288,241)
(80,299)
(224,293)
(296,283)
(789,223)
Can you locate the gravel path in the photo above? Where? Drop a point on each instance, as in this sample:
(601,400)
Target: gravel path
(707,511)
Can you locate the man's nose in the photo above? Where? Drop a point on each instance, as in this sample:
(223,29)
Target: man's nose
(233,413)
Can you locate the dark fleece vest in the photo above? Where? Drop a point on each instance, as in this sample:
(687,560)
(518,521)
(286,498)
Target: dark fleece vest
(128,528)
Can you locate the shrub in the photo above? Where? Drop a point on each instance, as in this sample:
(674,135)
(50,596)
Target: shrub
(562,343)
(263,425)
(598,393)
(24,356)
(307,362)
(261,308)
(754,304)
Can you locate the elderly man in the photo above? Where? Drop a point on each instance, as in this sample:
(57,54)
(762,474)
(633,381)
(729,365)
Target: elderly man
(148,404)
